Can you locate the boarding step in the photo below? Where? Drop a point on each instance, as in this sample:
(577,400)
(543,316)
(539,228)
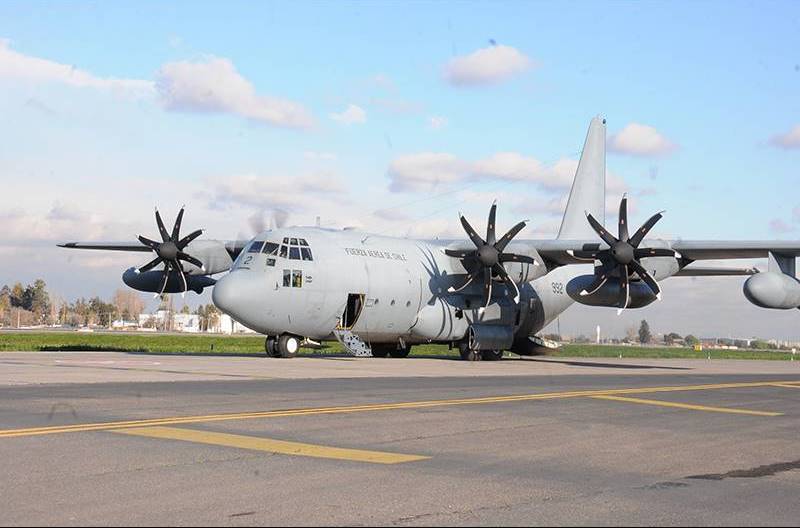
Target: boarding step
(352,343)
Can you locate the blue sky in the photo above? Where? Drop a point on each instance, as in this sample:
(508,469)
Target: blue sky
(712,87)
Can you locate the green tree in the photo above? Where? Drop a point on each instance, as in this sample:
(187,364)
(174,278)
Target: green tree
(644,332)
(671,338)
(691,340)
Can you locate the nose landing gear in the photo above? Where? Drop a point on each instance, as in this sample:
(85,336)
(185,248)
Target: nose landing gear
(285,346)
(469,354)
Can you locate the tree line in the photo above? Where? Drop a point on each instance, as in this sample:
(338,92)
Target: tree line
(33,304)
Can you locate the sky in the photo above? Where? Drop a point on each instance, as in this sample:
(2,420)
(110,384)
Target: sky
(393,117)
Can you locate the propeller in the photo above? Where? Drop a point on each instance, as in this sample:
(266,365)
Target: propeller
(489,255)
(624,255)
(170,251)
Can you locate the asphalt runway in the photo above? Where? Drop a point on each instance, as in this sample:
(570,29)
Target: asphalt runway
(118,439)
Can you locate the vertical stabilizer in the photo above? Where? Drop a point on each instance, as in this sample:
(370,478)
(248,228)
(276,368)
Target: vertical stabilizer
(588,192)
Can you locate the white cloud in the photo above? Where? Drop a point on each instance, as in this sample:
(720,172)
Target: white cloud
(640,140)
(214,85)
(486,66)
(292,192)
(779,226)
(18,66)
(437,122)
(429,170)
(351,115)
(789,140)
(425,171)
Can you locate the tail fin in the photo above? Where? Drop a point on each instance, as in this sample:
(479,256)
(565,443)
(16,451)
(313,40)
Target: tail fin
(588,192)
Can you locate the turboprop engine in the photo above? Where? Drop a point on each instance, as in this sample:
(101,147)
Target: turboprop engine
(773,290)
(639,293)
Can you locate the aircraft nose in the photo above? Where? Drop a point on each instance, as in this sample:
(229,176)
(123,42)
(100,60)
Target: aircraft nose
(224,294)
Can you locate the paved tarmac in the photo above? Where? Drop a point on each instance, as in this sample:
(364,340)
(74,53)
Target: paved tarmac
(113,439)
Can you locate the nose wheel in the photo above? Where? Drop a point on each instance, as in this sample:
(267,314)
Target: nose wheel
(468,354)
(285,346)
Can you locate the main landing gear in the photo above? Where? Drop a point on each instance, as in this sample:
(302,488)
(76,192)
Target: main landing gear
(395,350)
(285,346)
(469,354)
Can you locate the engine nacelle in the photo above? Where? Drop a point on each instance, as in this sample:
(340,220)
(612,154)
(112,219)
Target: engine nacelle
(774,290)
(608,295)
(150,281)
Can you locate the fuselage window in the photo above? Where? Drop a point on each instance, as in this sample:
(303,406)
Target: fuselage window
(271,262)
(294,253)
(303,242)
(255,247)
(287,278)
(271,248)
(283,251)
(306,253)
(297,278)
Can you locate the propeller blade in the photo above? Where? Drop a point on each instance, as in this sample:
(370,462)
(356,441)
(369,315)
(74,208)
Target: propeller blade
(190,259)
(477,240)
(165,280)
(647,278)
(642,232)
(607,237)
(623,218)
(510,284)
(654,252)
(460,288)
(179,267)
(490,233)
(487,286)
(513,257)
(598,283)
(150,265)
(624,289)
(176,229)
(460,253)
(161,228)
(182,243)
(152,244)
(501,245)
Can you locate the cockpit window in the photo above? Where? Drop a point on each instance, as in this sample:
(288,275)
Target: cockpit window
(255,247)
(285,240)
(294,253)
(303,241)
(306,253)
(271,248)
(294,241)
(283,251)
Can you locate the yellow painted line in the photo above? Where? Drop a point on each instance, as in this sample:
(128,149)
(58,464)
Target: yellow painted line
(687,406)
(271,446)
(786,385)
(178,420)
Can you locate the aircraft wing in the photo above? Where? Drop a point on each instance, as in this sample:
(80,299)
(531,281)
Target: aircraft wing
(108,246)
(558,251)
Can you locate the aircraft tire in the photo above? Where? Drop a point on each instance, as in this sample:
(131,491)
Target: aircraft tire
(491,355)
(380,351)
(400,352)
(287,346)
(468,354)
(271,345)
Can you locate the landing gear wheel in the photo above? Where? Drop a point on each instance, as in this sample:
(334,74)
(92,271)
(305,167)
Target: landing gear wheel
(287,346)
(491,355)
(398,352)
(380,351)
(271,346)
(467,353)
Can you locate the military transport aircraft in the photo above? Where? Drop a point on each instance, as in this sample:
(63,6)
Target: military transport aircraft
(380,295)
